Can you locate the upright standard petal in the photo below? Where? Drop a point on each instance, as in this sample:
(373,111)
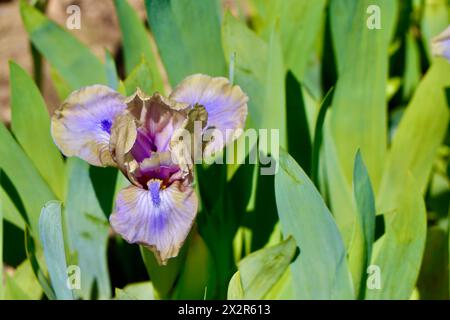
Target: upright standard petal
(440,45)
(82,125)
(158,218)
(225,103)
(162,117)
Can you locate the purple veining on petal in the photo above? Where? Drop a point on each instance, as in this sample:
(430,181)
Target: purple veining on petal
(159,223)
(153,187)
(106,125)
(143,147)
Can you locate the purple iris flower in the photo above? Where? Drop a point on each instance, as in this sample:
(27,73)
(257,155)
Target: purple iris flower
(138,135)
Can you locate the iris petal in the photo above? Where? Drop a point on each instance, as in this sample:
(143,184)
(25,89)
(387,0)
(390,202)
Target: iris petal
(82,125)
(162,117)
(226,104)
(158,218)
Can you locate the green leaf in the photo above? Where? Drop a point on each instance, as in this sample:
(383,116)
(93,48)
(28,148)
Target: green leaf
(136,42)
(140,78)
(283,289)
(260,271)
(434,20)
(400,255)
(33,190)
(365,203)
(111,71)
(11,213)
(31,127)
(136,291)
(76,64)
(63,89)
(320,272)
(358,120)
(22,285)
(188,37)
(36,265)
(198,272)
(235,290)
(318,136)
(342,200)
(260,71)
(418,136)
(433,277)
(299,25)
(51,234)
(87,231)
(163,277)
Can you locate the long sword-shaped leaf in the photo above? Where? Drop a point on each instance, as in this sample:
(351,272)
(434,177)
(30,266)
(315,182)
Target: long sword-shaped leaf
(136,42)
(33,190)
(76,64)
(188,36)
(320,271)
(260,71)
(51,234)
(400,255)
(365,203)
(359,107)
(87,231)
(299,25)
(418,136)
(30,125)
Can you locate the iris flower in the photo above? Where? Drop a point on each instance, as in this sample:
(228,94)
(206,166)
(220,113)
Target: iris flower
(137,135)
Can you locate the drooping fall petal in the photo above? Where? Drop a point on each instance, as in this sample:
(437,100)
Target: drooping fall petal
(158,218)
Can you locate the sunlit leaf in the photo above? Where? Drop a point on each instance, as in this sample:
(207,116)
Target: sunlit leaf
(299,25)
(400,255)
(140,78)
(30,125)
(318,136)
(136,291)
(365,203)
(22,285)
(260,71)
(188,37)
(33,190)
(259,271)
(136,42)
(418,136)
(320,271)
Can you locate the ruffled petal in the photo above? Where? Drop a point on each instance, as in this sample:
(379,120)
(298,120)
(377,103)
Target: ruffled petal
(440,45)
(82,125)
(159,219)
(162,117)
(226,105)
